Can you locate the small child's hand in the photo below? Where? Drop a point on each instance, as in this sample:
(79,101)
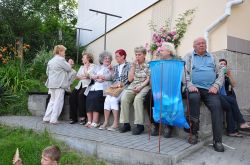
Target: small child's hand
(17,162)
(16,159)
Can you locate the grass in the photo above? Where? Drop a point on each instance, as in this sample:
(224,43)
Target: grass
(30,146)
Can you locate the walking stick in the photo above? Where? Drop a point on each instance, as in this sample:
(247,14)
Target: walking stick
(150,113)
(187,102)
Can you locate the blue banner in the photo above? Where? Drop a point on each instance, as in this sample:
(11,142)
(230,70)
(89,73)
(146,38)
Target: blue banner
(166,76)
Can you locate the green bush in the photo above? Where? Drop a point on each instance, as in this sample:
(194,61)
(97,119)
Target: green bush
(18,82)
(38,67)
(16,79)
(6,98)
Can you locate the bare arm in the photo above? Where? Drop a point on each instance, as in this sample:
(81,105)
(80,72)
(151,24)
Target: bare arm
(131,73)
(231,78)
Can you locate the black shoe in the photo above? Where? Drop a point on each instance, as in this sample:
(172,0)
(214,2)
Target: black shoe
(72,122)
(218,146)
(83,121)
(167,132)
(138,129)
(125,128)
(155,131)
(187,130)
(193,139)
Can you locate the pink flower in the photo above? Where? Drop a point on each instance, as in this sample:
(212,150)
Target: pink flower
(173,33)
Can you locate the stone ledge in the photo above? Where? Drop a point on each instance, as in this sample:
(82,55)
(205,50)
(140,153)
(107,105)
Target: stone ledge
(37,105)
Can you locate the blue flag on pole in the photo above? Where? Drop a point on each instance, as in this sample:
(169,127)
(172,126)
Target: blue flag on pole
(166,76)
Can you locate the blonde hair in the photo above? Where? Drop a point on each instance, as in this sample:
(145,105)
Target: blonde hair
(169,47)
(59,48)
(53,152)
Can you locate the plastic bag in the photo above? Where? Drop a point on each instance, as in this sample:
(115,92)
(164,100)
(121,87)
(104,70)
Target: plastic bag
(166,78)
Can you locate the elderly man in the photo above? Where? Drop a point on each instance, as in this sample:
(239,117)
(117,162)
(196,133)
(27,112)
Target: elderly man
(204,79)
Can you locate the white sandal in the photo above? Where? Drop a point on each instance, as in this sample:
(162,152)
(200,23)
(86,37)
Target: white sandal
(95,125)
(88,124)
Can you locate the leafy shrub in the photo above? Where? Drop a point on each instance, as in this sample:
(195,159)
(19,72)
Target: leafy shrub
(6,98)
(17,80)
(38,67)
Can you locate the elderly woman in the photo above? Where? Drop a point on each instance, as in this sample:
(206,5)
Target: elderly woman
(59,72)
(102,79)
(120,79)
(135,93)
(166,52)
(77,98)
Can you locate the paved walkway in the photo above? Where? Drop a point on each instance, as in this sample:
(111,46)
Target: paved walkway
(125,148)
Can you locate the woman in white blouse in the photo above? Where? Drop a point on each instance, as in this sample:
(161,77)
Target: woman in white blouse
(77,98)
(102,79)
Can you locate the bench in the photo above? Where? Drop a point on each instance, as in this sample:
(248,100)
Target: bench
(37,105)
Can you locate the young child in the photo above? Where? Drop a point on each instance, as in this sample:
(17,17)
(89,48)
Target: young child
(50,156)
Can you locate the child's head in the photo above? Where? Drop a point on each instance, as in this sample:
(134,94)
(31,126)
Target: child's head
(50,155)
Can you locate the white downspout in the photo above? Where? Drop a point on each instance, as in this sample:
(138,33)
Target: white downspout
(221,18)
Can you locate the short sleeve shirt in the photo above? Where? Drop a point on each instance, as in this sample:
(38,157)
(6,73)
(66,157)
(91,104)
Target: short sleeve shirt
(141,73)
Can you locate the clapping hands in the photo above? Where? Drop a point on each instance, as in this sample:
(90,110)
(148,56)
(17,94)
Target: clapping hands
(71,62)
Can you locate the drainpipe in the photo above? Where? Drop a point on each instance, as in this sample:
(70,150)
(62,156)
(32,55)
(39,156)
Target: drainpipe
(227,13)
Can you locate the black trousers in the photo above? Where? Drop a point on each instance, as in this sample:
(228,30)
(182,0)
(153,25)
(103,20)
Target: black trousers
(234,116)
(77,101)
(212,101)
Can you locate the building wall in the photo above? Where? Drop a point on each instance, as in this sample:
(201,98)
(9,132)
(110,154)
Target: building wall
(206,12)
(240,65)
(238,22)
(238,38)
(136,31)
(131,34)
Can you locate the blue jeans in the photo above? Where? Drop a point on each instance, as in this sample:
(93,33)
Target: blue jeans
(212,101)
(234,116)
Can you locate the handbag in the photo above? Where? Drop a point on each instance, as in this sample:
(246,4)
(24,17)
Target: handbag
(114,91)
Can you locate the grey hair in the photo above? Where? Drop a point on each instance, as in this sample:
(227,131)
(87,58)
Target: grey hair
(199,38)
(169,47)
(140,49)
(103,55)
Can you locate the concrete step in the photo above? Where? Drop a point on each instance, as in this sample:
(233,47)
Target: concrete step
(113,147)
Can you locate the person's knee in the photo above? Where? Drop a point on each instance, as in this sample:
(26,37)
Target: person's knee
(124,97)
(194,97)
(139,98)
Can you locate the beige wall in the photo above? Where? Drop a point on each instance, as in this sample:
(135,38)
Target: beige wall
(136,31)
(239,21)
(206,12)
(132,33)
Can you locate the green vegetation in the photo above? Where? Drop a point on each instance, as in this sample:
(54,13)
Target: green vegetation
(30,146)
(39,23)
(29,30)
(17,81)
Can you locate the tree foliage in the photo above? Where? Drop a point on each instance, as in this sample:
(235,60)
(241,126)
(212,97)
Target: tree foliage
(38,22)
